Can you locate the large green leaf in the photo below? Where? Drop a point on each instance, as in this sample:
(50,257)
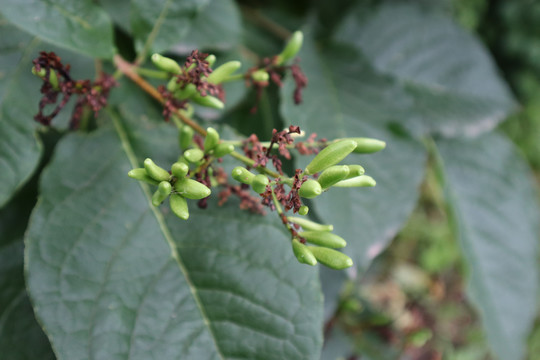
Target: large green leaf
(344,99)
(113,277)
(448,82)
(496,216)
(80,25)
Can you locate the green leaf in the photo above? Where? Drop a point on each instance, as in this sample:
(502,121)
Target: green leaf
(81,25)
(495,211)
(343,100)
(133,281)
(448,82)
(159,24)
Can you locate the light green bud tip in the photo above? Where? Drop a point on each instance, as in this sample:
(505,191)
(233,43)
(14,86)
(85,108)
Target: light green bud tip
(189,91)
(309,225)
(242,175)
(368,145)
(259,183)
(223,71)
(260,76)
(303,254)
(332,175)
(355,170)
(179,206)
(331,258)
(193,155)
(359,181)
(141,175)
(292,48)
(166,64)
(185,137)
(53,79)
(191,189)
(303,210)
(210,59)
(208,101)
(179,169)
(330,155)
(310,189)
(223,149)
(211,140)
(155,172)
(164,189)
(323,238)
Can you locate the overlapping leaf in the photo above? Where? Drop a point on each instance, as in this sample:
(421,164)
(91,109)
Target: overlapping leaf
(81,26)
(110,276)
(496,217)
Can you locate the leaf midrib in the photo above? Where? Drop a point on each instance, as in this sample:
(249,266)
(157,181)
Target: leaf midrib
(126,145)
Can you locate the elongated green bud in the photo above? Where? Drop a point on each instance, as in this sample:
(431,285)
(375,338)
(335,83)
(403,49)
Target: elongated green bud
(323,238)
(368,145)
(179,206)
(332,175)
(163,190)
(359,181)
(208,101)
(223,71)
(189,91)
(192,189)
(210,59)
(42,73)
(173,85)
(242,175)
(303,210)
(331,258)
(303,254)
(188,111)
(166,64)
(185,137)
(211,140)
(141,175)
(310,189)
(193,155)
(179,169)
(292,48)
(223,149)
(309,225)
(260,76)
(330,155)
(156,172)
(355,170)
(259,183)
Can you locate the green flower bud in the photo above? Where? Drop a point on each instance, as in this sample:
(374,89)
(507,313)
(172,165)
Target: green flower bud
(192,189)
(189,91)
(292,48)
(188,111)
(211,140)
(164,189)
(166,64)
(323,238)
(179,169)
(332,175)
(179,206)
(368,145)
(208,101)
(142,175)
(155,171)
(355,170)
(260,76)
(242,175)
(42,73)
(193,155)
(331,258)
(310,189)
(309,225)
(330,155)
(185,137)
(259,182)
(303,210)
(173,85)
(303,254)
(223,149)
(223,71)
(359,181)
(210,59)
